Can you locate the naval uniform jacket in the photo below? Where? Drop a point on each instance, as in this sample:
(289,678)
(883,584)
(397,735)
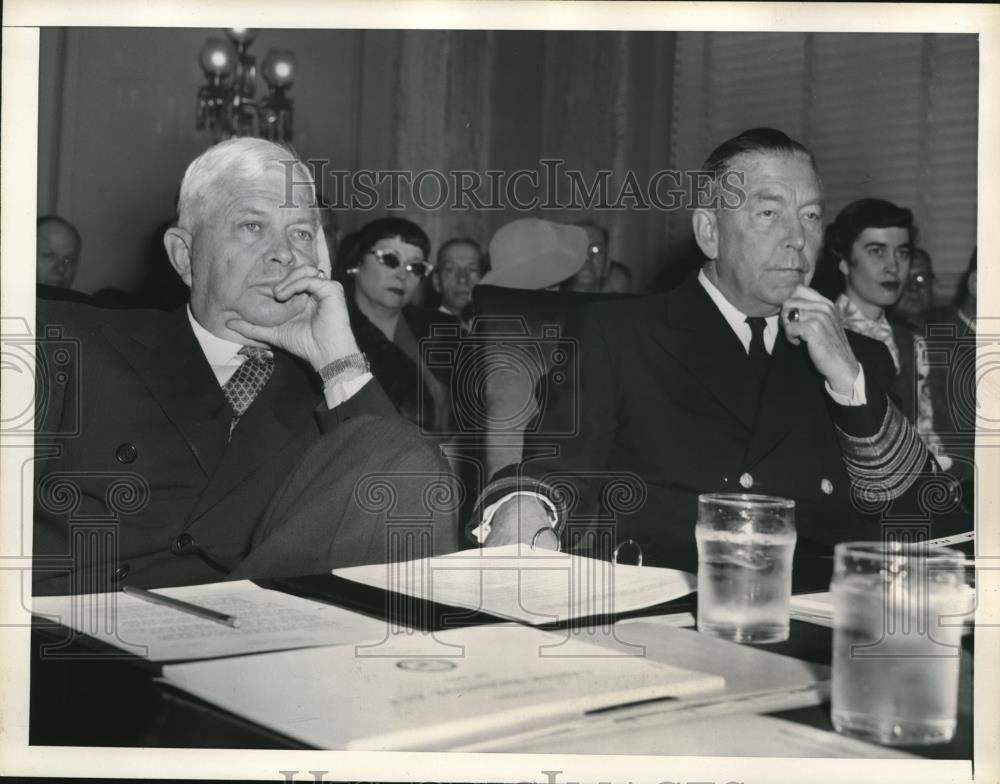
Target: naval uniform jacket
(663,412)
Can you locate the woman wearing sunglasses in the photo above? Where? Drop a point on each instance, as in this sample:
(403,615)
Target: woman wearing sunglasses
(381,266)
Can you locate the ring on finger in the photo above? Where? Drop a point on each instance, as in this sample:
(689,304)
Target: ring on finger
(792,315)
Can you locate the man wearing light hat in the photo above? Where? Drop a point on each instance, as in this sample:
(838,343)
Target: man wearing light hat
(530,253)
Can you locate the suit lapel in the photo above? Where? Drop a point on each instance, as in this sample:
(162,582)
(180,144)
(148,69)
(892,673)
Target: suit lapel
(282,409)
(173,368)
(698,337)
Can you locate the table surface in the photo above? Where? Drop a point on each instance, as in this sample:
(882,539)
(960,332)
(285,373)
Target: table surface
(81,701)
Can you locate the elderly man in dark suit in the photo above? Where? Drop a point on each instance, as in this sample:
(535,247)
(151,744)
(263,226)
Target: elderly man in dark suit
(241,436)
(740,380)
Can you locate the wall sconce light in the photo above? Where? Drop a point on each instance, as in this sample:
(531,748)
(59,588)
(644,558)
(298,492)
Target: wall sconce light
(226,103)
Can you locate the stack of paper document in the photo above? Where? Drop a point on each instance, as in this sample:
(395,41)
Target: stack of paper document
(525,585)
(269,621)
(814,608)
(433,690)
(817,608)
(729,735)
(757,681)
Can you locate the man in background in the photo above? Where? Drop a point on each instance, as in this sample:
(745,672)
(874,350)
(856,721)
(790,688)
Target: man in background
(599,273)
(963,313)
(916,305)
(459,268)
(57,256)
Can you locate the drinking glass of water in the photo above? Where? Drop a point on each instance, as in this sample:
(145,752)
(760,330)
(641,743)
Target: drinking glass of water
(745,546)
(897,628)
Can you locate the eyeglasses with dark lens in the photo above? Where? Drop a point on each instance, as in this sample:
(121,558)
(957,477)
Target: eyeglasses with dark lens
(391,260)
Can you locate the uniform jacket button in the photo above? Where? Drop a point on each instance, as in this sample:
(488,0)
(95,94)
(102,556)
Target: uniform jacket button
(826,486)
(183,543)
(126,453)
(746,481)
(120,573)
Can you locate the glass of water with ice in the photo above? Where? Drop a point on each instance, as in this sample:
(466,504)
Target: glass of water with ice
(745,546)
(897,626)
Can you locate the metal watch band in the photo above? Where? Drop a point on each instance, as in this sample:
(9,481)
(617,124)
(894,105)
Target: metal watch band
(357,362)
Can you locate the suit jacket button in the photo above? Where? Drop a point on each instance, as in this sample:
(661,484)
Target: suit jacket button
(746,481)
(126,453)
(826,486)
(120,573)
(183,542)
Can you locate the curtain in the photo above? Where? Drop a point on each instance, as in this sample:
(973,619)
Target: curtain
(887,115)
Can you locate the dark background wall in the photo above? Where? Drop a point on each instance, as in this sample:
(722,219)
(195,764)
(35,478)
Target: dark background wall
(887,115)
(117,118)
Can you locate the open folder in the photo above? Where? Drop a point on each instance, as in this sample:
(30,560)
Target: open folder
(525,585)
(432,691)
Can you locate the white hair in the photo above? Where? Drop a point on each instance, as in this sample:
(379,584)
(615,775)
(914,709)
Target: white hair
(233,161)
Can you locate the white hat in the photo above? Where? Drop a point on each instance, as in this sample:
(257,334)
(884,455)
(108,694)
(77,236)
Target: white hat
(531,253)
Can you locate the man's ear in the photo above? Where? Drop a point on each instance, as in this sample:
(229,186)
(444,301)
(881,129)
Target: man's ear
(436,282)
(178,246)
(843,267)
(706,232)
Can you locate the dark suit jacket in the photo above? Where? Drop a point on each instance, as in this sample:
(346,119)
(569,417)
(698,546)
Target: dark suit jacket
(131,443)
(904,386)
(662,414)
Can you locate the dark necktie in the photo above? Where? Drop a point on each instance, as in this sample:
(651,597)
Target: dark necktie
(757,357)
(247,381)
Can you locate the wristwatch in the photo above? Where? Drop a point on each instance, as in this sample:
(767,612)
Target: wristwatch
(345,368)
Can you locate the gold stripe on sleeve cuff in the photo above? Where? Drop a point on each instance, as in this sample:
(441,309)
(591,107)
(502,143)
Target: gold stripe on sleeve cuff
(884,466)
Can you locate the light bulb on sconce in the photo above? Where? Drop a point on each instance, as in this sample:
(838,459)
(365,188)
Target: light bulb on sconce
(278,69)
(226,104)
(217,57)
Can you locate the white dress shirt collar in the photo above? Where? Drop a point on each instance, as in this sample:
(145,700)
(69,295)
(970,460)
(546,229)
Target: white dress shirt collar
(737,319)
(223,355)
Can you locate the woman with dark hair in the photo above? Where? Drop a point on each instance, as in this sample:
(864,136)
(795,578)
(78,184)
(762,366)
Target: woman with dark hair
(864,267)
(381,266)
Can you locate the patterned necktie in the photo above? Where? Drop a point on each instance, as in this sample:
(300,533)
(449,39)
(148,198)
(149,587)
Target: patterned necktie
(247,381)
